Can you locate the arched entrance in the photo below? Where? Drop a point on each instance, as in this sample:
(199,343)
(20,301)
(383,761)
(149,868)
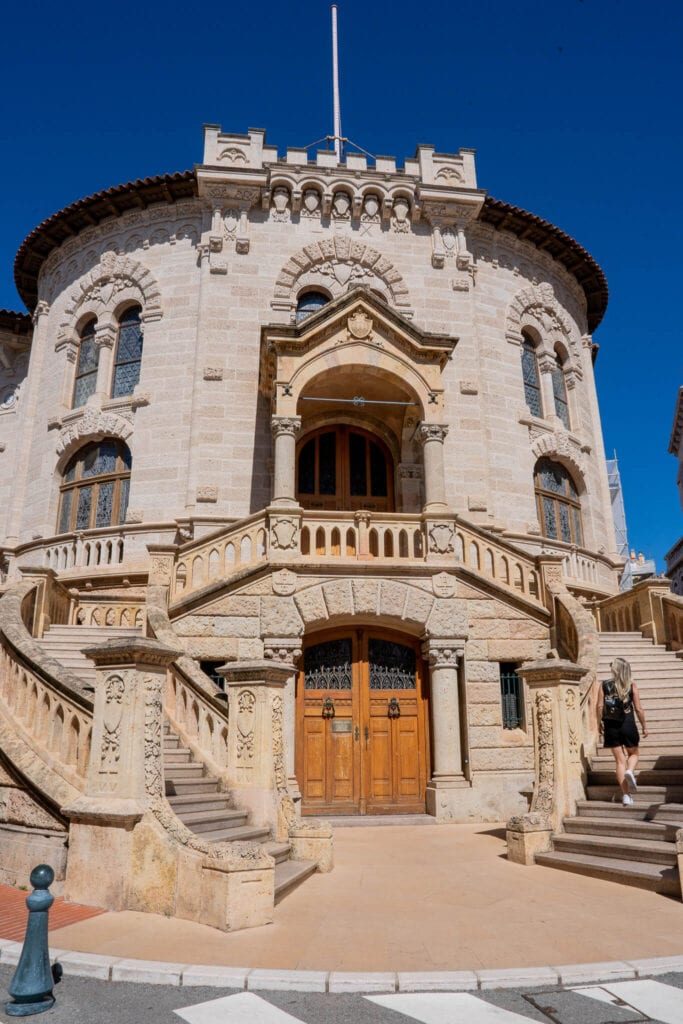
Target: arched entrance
(344,468)
(362,744)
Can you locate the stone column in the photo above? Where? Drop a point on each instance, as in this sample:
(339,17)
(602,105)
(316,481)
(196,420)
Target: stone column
(555,694)
(105,339)
(256,760)
(285,429)
(546,365)
(444,657)
(286,651)
(432,436)
(125,772)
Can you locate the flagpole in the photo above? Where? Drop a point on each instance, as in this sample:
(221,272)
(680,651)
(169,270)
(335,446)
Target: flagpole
(335,86)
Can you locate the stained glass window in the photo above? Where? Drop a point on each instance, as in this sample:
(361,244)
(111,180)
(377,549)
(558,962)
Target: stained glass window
(392,666)
(328,666)
(532,390)
(86,368)
(95,488)
(310,303)
(128,353)
(559,506)
(560,393)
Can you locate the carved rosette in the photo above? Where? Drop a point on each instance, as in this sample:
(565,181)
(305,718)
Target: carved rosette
(246,706)
(543,710)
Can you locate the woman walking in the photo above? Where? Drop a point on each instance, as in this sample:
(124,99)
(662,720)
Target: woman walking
(618,699)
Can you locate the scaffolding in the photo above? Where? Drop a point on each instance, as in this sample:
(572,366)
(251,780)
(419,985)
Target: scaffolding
(634,569)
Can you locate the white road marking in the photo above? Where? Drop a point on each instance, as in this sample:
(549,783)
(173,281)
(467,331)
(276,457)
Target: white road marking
(448,1008)
(597,992)
(241,1008)
(651,998)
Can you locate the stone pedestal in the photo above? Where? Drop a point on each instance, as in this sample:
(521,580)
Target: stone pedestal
(125,773)
(256,757)
(448,776)
(558,776)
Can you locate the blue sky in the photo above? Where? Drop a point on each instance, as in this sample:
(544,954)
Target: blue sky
(574,108)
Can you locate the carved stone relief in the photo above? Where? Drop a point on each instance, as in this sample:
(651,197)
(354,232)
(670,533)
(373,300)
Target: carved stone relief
(543,798)
(246,703)
(110,751)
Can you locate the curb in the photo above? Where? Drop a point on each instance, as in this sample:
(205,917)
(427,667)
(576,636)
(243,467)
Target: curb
(154,972)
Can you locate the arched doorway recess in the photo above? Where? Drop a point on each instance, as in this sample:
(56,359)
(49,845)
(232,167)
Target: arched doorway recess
(344,468)
(362,744)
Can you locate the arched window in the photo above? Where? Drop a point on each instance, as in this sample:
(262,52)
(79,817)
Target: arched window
(559,508)
(532,388)
(560,391)
(95,486)
(310,303)
(86,369)
(344,468)
(128,353)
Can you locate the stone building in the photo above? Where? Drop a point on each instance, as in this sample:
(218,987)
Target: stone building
(325,434)
(674,557)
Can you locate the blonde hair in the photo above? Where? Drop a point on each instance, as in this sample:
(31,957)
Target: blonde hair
(621,673)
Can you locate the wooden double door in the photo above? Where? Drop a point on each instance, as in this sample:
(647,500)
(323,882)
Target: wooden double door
(362,736)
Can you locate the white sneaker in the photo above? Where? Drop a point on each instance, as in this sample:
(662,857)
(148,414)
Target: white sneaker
(627,800)
(631,779)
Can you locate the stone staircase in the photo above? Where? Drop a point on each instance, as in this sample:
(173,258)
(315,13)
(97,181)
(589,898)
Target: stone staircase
(195,797)
(193,793)
(65,644)
(633,845)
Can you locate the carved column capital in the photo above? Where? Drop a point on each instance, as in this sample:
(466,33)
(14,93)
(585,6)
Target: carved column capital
(289,425)
(432,432)
(42,309)
(442,653)
(282,650)
(105,335)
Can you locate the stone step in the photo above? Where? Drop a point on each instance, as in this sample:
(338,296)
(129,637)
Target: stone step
(644,851)
(645,777)
(278,851)
(188,803)
(177,756)
(670,812)
(191,770)
(610,826)
(650,761)
(239,832)
(612,808)
(645,796)
(289,874)
(655,877)
(191,787)
(206,821)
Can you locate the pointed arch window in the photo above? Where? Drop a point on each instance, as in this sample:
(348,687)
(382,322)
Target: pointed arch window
(86,368)
(532,387)
(94,491)
(560,391)
(559,506)
(128,353)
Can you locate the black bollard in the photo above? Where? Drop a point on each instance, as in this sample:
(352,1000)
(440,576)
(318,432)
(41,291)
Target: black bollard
(31,987)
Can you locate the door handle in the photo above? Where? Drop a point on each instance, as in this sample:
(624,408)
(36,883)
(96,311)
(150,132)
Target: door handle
(356,733)
(328,708)
(366,732)
(394,708)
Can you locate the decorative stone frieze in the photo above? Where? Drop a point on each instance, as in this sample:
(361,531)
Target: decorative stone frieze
(207,494)
(92,425)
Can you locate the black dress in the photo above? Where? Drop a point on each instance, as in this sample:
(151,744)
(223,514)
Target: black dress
(624,733)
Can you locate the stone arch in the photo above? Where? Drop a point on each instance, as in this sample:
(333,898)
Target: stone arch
(536,307)
(559,447)
(340,263)
(402,606)
(116,280)
(93,425)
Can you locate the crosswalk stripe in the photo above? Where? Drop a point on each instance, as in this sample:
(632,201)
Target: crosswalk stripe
(241,1008)
(448,1008)
(651,998)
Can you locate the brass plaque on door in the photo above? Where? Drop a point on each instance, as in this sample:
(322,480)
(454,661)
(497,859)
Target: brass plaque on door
(341,725)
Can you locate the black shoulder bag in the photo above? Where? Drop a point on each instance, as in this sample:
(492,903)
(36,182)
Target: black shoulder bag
(613,705)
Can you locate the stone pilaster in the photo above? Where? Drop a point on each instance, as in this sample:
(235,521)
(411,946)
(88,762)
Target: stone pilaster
(444,657)
(286,651)
(558,772)
(125,772)
(256,744)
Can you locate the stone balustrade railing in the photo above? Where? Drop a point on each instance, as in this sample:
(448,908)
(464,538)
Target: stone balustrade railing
(637,610)
(221,554)
(201,720)
(99,610)
(672,608)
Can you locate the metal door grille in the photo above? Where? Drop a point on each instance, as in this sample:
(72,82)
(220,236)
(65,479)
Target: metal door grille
(511,696)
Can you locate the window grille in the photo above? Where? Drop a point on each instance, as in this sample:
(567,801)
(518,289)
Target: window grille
(532,388)
(128,353)
(511,696)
